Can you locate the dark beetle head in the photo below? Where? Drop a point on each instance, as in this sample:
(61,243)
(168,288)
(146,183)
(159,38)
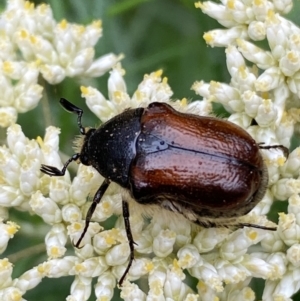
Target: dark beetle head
(110,148)
(81,146)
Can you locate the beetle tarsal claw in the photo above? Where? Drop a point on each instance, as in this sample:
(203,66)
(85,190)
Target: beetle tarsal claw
(51,170)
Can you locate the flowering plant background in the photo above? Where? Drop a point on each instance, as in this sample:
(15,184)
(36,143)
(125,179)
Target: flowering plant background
(152,35)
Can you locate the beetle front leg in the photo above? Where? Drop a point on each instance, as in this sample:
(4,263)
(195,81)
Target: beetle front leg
(129,237)
(54,171)
(97,198)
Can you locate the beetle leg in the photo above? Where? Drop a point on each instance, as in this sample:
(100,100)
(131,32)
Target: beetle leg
(242,225)
(130,239)
(53,171)
(228,224)
(97,198)
(284,149)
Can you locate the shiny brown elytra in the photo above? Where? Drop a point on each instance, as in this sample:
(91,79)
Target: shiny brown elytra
(207,169)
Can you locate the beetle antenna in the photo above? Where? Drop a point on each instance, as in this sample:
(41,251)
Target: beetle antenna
(73,109)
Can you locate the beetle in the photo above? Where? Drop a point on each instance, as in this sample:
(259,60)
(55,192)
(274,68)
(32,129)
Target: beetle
(209,170)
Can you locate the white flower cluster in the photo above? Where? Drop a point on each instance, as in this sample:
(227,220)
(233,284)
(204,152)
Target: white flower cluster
(267,92)
(152,88)
(33,43)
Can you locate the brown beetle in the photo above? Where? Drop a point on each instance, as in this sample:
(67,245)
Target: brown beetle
(209,170)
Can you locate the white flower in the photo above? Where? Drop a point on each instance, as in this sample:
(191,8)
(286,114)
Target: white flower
(55,268)
(6,269)
(238,243)
(80,289)
(131,291)
(29,279)
(21,93)
(188,257)
(293,255)
(104,288)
